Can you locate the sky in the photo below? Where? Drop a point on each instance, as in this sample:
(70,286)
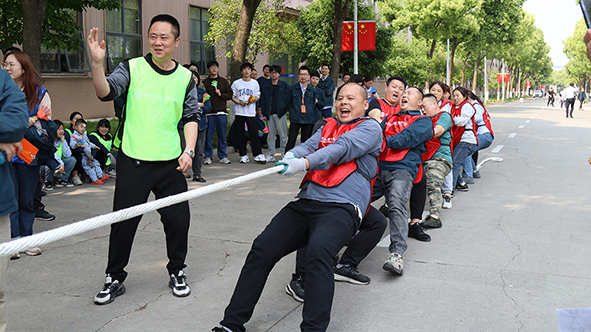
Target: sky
(557,19)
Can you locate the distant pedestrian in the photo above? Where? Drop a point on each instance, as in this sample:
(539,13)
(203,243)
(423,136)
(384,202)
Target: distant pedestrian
(220,92)
(570,93)
(551,95)
(327,85)
(581,96)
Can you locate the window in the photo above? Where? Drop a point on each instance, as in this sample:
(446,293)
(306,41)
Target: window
(58,60)
(124,33)
(201,52)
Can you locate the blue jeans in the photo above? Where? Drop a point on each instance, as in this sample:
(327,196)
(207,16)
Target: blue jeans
(461,151)
(25,180)
(484,141)
(69,163)
(199,147)
(217,123)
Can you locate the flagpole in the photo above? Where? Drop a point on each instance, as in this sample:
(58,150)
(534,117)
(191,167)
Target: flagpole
(355,42)
(448,74)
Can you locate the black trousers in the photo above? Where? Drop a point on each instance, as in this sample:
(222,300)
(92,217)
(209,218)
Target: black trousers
(324,228)
(370,233)
(570,102)
(135,181)
(294,129)
(253,135)
(418,196)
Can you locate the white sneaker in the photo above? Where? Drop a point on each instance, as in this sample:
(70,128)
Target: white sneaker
(206,161)
(260,159)
(225,161)
(394,264)
(76,180)
(446,202)
(270,159)
(34,252)
(244,159)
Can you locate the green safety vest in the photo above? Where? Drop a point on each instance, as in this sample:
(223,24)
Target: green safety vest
(59,149)
(153,110)
(105,143)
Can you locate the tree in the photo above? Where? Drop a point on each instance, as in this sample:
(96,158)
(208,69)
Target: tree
(51,23)
(270,31)
(578,66)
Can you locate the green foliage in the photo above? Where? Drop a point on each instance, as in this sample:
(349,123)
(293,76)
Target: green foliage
(60,27)
(578,66)
(271,31)
(315,25)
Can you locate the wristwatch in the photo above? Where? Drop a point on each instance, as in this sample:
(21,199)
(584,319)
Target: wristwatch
(191,153)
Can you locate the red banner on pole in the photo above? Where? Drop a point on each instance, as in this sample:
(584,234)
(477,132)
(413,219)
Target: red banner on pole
(367,35)
(502,78)
(348,37)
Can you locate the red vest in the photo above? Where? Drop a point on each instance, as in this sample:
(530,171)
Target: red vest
(486,118)
(445,102)
(434,143)
(335,174)
(394,124)
(387,109)
(456,131)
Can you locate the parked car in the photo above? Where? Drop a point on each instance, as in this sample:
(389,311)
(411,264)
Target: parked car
(538,93)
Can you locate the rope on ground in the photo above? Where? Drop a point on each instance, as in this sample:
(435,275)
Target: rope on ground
(42,238)
(499,159)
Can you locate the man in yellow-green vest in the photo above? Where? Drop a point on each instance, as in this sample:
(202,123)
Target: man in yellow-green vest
(160,93)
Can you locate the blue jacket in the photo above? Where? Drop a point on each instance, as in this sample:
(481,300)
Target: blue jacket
(413,137)
(14,121)
(327,86)
(293,104)
(279,98)
(205,109)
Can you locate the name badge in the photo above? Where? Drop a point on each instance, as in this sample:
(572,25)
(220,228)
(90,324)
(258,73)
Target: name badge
(303,109)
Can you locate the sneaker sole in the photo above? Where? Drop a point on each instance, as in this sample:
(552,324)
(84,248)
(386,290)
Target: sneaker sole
(179,294)
(390,268)
(121,291)
(261,161)
(338,277)
(45,219)
(430,225)
(291,293)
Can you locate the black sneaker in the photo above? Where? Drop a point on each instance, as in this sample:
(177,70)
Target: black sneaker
(295,288)
(41,214)
(179,286)
(385,211)
(476,174)
(350,274)
(415,231)
(462,187)
(220,329)
(431,222)
(110,290)
(48,186)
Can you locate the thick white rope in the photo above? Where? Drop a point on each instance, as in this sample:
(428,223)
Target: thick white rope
(39,239)
(498,159)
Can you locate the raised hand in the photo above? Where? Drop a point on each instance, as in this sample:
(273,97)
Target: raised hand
(98,50)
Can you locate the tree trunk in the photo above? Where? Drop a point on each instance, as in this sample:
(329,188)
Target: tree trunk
(33,14)
(340,12)
(454,46)
(249,8)
(430,56)
(464,68)
(476,66)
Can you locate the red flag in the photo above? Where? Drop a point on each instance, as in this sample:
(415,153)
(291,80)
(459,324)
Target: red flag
(502,78)
(367,35)
(347,37)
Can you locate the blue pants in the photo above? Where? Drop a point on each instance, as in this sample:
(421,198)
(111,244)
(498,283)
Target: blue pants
(484,141)
(25,180)
(219,124)
(461,151)
(69,163)
(92,168)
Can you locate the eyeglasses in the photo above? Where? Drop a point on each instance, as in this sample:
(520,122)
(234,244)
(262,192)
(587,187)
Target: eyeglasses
(6,65)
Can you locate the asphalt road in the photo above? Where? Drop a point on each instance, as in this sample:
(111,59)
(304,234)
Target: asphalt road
(512,250)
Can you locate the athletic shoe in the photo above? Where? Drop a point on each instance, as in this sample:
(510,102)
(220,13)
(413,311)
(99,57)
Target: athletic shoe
(34,252)
(446,202)
(206,161)
(244,159)
(76,180)
(295,288)
(385,211)
(225,160)
(41,214)
(48,186)
(270,159)
(106,176)
(97,182)
(415,231)
(462,186)
(187,175)
(350,274)
(394,264)
(469,180)
(15,256)
(59,184)
(221,329)
(260,159)
(431,222)
(178,283)
(476,174)
(198,179)
(110,290)
(111,171)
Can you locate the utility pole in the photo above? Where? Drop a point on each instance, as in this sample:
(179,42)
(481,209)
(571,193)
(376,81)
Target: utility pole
(448,74)
(356,42)
(503,79)
(485,82)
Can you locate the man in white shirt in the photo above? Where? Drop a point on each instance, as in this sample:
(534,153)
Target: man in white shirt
(569,94)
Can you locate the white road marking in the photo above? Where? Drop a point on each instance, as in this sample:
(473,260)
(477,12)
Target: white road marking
(522,126)
(512,135)
(497,149)
(528,121)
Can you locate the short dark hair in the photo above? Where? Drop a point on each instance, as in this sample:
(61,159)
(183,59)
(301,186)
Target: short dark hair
(79,121)
(74,115)
(276,68)
(356,79)
(398,78)
(347,74)
(315,73)
(246,65)
(176,28)
(368,78)
(419,89)
(58,123)
(306,68)
(212,63)
(429,95)
(324,64)
(266,66)
(104,123)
